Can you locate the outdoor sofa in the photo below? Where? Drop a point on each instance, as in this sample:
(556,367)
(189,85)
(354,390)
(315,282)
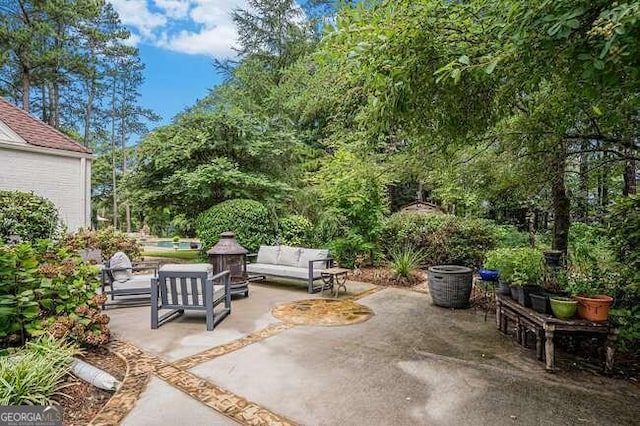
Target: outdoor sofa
(296,263)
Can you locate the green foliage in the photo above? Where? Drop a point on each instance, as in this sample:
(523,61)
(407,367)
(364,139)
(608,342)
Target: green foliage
(403,261)
(26,215)
(624,231)
(443,239)
(510,237)
(352,250)
(33,374)
(248,219)
(354,190)
(517,266)
(295,230)
(176,238)
(47,288)
(108,240)
(628,323)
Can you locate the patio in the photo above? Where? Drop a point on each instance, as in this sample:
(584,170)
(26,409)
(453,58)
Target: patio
(408,363)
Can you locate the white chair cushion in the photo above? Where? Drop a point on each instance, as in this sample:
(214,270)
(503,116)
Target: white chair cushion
(268,254)
(281,271)
(188,267)
(136,281)
(313,254)
(121,261)
(289,256)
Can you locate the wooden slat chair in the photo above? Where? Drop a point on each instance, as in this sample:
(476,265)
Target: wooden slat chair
(181,287)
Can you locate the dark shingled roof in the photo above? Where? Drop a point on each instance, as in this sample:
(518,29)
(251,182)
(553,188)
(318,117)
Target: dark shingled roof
(34,131)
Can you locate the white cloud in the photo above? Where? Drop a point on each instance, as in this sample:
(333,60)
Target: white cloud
(217,41)
(189,26)
(175,9)
(134,13)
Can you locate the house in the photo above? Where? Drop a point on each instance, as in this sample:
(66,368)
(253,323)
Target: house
(35,157)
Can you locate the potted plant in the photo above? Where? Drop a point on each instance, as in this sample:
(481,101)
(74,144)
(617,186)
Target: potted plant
(528,270)
(489,272)
(498,262)
(561,304)
(563,308)
(176,242)
(589,289)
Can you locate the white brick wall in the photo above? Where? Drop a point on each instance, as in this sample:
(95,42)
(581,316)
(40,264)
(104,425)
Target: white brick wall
(63,180)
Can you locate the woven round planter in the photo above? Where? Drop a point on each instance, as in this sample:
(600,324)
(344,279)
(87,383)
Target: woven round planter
(450,285)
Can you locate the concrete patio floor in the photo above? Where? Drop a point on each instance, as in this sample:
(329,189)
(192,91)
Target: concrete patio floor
(411,363)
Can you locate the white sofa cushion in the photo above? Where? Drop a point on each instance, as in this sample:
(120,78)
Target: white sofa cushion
(289,256)
(313,254)
(281,271)
(268,254)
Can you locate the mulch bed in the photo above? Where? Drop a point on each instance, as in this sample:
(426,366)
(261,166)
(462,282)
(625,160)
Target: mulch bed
(81,401)
(385,277)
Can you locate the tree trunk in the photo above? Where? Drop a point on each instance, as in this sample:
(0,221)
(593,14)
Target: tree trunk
(51,116)
(113,154)
(123,142)
(26,88)
(629,173)
(88,111)
(583,208)
(561,201)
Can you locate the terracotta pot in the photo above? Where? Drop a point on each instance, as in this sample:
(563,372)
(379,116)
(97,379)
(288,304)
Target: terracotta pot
(594,308)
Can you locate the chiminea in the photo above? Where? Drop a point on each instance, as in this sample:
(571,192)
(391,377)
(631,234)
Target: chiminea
(228,254)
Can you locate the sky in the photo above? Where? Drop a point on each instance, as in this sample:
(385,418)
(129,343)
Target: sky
(178,40)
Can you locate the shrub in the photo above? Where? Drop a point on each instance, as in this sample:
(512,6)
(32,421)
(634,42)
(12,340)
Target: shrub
(294,230)
(248,219)
(47,288)
(355,191)
(404,261)
(108,240)
(517,266)
(32,375)
(352,250)
(510,237)
(443,239)
(26,215)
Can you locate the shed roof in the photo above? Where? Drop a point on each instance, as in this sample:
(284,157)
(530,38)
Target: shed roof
(422,207)
(34,131)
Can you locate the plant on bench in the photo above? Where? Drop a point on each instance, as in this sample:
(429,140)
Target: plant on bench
(291,262)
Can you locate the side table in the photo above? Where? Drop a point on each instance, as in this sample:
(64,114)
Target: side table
(334,279)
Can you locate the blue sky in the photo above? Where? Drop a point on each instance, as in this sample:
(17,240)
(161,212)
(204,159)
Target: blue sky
(178,40)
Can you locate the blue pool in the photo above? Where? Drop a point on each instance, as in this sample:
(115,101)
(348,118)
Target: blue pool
(169,244)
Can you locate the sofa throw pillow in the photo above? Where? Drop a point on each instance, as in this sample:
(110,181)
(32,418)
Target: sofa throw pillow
(268,254)
(289,256)
(121,261)
(313,254)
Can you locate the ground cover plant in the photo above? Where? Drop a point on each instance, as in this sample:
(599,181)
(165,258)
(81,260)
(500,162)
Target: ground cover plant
(32,375)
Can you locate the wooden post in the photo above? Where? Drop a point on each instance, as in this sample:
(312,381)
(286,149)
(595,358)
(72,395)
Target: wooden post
(549,349)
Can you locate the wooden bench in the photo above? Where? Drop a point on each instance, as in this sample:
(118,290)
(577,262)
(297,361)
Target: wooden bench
(181,287)
(544,328)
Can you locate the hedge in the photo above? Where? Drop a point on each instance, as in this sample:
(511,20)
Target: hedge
(26,215)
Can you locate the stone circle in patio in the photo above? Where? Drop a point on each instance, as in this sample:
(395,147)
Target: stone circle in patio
(322,312)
